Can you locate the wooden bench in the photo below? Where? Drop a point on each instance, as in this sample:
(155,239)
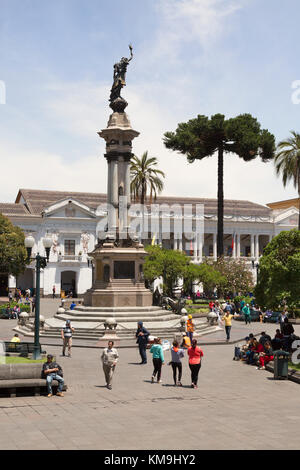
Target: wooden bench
(24,378)
(23,349)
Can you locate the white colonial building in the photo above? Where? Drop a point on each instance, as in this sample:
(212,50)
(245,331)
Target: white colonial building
(73,219)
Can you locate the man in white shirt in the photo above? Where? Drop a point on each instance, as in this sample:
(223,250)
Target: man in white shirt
(109,358)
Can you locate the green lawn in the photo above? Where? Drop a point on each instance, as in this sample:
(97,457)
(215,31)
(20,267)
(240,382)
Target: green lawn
(19,360)
(294,366)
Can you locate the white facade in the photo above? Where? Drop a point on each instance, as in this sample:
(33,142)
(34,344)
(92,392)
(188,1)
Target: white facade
(73,227)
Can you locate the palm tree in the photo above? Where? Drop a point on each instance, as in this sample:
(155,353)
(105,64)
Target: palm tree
(144,177)
(287,162)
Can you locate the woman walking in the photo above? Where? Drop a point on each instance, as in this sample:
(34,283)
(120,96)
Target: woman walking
(158,359)
(177,354)
(227,319)
(195,353)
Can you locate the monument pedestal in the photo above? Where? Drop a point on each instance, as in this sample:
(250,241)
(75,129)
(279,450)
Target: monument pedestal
(118,277)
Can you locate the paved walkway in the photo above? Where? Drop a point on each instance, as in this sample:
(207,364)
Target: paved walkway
(235,407)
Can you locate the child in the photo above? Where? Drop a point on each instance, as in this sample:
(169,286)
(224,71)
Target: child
(177,355)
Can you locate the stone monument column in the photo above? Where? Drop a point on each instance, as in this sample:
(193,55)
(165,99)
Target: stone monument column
(118,259)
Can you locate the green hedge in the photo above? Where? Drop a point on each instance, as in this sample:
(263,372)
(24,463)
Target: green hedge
(23,308)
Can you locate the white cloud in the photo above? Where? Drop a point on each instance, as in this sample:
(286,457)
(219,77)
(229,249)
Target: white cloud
(42,170)
(184,21)
(82,108)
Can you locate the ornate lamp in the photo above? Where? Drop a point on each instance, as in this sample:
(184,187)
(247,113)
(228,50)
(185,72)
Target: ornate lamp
(29,244)
(47,242)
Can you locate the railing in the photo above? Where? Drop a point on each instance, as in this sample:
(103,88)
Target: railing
(66,258)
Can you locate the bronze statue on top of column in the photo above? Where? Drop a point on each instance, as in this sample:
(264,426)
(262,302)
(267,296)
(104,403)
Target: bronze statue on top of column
(117,103)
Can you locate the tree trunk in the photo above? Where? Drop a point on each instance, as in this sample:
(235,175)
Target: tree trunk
(299,195)
(220,243)
(143,195)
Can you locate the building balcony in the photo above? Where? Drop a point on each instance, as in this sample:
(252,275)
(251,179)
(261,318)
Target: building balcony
(70,259)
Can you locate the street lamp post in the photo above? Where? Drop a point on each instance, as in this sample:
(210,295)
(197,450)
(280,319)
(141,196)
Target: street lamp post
(40,263)
(257,272)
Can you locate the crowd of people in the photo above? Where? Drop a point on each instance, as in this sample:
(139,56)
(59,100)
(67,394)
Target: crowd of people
(261,351)
(177,351)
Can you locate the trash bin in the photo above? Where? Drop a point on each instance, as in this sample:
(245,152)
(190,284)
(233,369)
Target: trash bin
(281,364)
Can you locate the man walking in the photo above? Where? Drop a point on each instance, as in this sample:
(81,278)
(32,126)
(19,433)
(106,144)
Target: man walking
(109,358)
(247,314)
(142,336)
(53,371)
(66,334)
(190,327)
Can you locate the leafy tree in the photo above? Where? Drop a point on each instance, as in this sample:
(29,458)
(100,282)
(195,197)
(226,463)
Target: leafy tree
(174,264)
(279,272)
(204,273)
(287,162)
(170,264)
(13,254)
(144,177)
(203,137)
(236,276)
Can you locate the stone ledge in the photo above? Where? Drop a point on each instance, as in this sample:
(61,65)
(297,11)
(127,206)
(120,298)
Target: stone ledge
(293,374)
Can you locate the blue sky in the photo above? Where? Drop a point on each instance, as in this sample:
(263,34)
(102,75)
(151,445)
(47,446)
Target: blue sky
(190,57)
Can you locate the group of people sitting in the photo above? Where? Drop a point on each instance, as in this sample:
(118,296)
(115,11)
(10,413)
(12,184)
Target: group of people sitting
(260,352)
(13,312)
(257,352)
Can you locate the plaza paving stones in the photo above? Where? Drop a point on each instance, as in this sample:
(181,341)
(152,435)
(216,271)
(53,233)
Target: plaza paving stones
(235,406)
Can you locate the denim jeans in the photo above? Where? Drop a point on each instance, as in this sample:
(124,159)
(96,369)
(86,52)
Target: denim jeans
(227,329)
(175,366)
(50,378)
(190,335)
(142,349)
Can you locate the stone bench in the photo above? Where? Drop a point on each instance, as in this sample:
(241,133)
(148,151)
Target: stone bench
(24,377)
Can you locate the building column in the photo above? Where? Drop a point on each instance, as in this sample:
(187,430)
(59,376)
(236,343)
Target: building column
(238,245)
(252,246)
(180,243)
(175,244)
(114,193)
(195,249)
(108,182)
(234,245)
(12,283)
(200,247)
(215,246)
(114,182)
(127,182)
(256,246)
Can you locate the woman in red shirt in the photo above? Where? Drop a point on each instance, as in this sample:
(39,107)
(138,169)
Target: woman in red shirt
(195,353)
